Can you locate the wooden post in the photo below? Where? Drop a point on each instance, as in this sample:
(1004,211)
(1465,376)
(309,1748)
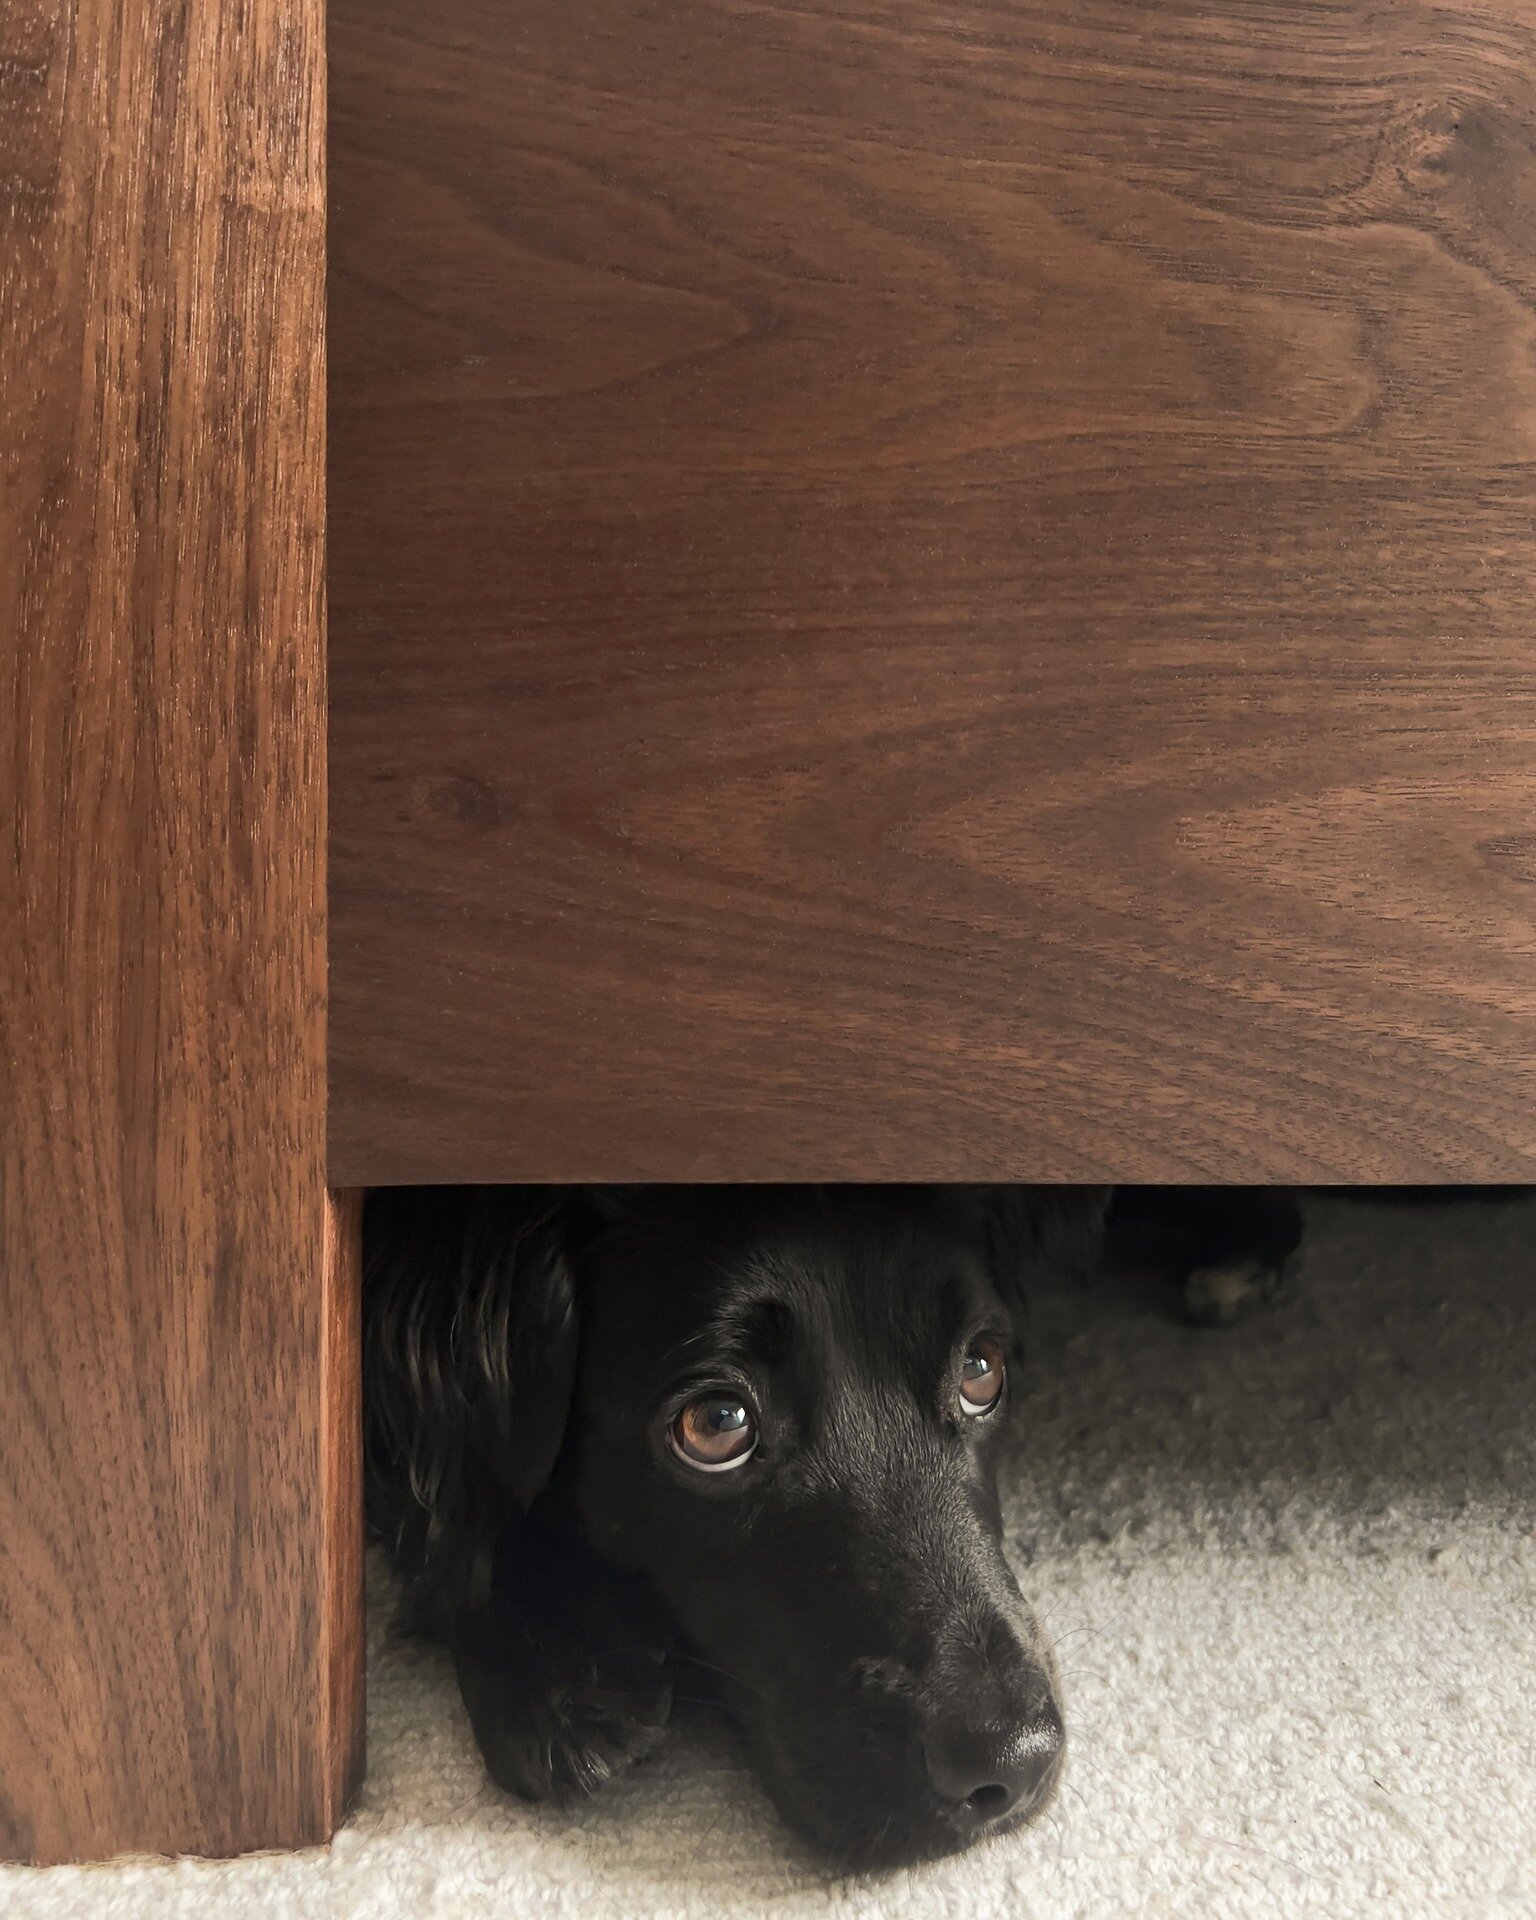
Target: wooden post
(180,1593)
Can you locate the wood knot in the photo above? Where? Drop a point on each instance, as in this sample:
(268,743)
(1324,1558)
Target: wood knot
(1445,139)
(464,800)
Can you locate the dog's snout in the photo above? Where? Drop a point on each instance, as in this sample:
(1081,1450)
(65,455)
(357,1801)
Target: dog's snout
(983,1774)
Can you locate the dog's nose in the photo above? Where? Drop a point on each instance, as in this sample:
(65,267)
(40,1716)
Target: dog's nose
(985,1774)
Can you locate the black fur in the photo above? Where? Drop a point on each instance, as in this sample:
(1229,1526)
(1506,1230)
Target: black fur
(845,1592)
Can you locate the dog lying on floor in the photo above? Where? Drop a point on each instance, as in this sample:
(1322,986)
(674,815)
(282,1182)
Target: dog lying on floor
(745,1435)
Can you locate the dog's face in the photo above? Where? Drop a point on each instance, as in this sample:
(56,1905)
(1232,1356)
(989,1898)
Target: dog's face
(787,1417)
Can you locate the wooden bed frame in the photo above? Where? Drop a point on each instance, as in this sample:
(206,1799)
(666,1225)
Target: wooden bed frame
(1082,727)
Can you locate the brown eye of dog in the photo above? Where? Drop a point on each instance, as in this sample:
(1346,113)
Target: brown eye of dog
(981,1378)
(714,1432)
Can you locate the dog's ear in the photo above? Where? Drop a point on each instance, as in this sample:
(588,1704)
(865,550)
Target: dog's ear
(470,1342)
(1030,1234)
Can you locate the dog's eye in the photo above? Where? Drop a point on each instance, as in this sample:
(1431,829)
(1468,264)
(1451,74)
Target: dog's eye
(981,1378)
(714,1432)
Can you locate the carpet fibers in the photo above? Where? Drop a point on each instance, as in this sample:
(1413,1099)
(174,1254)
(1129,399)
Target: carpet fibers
(1292,1576)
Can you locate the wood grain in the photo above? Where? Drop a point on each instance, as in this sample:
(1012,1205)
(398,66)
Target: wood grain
(933,592)
(180,1597)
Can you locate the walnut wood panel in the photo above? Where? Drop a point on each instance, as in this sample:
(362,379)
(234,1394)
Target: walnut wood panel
(933,592)
(180,1592)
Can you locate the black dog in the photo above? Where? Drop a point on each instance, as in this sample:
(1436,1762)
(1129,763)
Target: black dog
(619,1435)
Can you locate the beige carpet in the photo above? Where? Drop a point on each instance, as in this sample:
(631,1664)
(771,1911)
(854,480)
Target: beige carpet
(1293,1577)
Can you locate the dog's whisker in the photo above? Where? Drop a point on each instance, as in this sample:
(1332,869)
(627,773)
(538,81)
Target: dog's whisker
(1061,1837)
(703,1841)
(1079,1674)
(1071,1634)
(733,1679)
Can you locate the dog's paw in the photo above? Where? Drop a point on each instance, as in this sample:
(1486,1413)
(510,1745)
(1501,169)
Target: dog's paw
(553,1724)
(1227,1293)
